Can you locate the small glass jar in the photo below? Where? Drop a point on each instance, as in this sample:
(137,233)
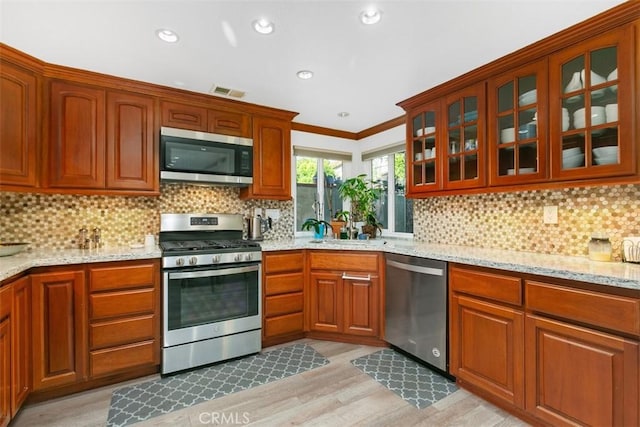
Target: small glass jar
(599,247)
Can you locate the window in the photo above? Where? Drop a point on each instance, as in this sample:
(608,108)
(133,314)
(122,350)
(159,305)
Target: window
(393,209)
(318,177)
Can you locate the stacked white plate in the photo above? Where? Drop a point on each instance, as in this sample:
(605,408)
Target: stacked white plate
(598,117)
(611,112)
(605,155)
(572,158)
(507,135)
(528,98)
(565,120)
(613,76)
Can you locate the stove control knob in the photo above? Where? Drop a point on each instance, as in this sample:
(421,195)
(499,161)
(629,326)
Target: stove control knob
(193,260)
(215,259)
(248,257)
(180,262)
(238,257)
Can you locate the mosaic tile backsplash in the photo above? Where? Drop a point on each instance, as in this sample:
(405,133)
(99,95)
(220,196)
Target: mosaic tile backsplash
(515,220)
(498,220)
(52,221)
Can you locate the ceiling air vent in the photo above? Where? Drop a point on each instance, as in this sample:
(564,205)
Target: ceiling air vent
(219,90)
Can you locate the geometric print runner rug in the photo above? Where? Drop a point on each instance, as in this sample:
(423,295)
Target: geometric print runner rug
(413,382)
(139,402)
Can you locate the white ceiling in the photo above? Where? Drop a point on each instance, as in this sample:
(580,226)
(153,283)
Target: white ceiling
(364,70)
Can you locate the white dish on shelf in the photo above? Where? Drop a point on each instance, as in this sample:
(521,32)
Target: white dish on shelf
(425,131)
(607,151)
(521,171)
(573,161)
(574,84)
(606,160)
(613,75)
(528,97)
(569,152)
(611,112)
(507,135)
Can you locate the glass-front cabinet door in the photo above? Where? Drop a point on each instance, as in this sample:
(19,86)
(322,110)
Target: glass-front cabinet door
(517,125)
(464,162)
(424,149)
(591,108)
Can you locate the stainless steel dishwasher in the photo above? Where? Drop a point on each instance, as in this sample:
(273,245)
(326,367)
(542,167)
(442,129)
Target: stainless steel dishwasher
(416,308)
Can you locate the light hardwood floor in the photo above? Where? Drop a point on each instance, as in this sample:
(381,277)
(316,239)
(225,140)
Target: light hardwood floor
(337,394)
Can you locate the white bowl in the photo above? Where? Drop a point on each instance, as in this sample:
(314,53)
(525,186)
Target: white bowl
(573,161)
(565,124)
(608,151)
(568,152)
(578,114)
(611,112)
(507,135)
(578,123)
(526,170)
(596,79)
(528,97)
(598,115)
(606,160)
(613,75)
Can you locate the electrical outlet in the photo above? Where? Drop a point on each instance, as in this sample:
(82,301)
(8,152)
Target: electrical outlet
(550,215)
(274,214)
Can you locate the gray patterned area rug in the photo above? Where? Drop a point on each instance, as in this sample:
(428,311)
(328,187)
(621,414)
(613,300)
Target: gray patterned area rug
(140,402)
(413,382)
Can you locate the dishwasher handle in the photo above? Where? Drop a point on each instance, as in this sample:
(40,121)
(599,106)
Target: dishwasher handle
(416,268)
(364,279)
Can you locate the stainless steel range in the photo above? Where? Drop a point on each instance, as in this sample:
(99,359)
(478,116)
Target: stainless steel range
(212,293)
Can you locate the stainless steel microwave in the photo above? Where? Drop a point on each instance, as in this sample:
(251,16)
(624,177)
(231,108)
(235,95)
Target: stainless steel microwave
(206,158)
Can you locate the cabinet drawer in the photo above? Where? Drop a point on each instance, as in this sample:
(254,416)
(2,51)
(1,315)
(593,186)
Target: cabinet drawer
(279,262)
(103,362)
(344,261)
(281,325)
(121,331)
(493,286)
(283,283)
(6,299)
(608,311)
(121,303)
(126,277)
(283,304)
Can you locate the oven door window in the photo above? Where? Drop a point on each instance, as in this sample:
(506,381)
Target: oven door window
(210,296)
(216,158)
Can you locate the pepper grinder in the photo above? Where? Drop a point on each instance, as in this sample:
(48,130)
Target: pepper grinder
(83,238)
(95,237)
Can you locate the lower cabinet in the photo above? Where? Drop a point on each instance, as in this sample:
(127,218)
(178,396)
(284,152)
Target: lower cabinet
(59,328)
(344,293)
(582,360)
(5,355)
(94,322)
(283,297)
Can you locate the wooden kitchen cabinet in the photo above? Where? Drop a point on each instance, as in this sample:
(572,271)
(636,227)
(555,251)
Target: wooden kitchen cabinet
(283,296)
(194,117)
(6,297)
(271,160)
(591,85)
(132,157)
(424,150)
(517,125)
(21,366)
(124,316)
(59,328)
(345,295)
(76,136)
(19,136)
(486,333)
(582,364)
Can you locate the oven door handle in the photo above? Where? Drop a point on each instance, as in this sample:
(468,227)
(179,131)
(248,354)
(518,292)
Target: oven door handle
(213,273)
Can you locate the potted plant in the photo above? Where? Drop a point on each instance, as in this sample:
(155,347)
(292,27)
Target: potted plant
(371,225)
(340,219)
(362,196)
(319,227)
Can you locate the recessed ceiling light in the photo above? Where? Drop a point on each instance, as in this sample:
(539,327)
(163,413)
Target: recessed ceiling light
(304,74)
(167,35)
(343,114)
(370,16)
(263,26)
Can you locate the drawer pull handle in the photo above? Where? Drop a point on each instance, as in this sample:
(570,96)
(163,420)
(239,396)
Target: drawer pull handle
(365,279)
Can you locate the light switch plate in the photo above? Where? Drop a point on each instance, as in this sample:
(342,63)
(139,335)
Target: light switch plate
(550,215)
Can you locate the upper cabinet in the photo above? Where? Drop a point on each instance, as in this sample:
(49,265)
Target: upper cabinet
(464,160)
(517,125)
(562,111)
(193,117)
(591,102)
(271,160)
(101,139)
(18,125)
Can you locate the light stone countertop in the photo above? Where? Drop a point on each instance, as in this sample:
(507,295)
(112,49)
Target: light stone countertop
(15,264)
(617,274)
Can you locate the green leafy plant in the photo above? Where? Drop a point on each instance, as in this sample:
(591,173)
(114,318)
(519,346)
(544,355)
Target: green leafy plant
(315,224)
(362,196)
